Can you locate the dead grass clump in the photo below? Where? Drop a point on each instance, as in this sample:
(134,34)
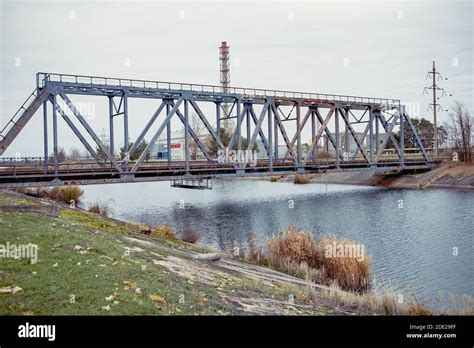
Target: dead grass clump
(301,179)
(62,194)
(99,208)
(292,247)
(344,262)
(163,231)
(191,236)
(331,259)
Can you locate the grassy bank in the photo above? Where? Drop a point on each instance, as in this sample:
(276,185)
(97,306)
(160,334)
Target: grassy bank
(89,264)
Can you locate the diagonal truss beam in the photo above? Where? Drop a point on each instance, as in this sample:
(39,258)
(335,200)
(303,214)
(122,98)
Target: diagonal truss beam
(258,128)
(147,128)
(323,127)
(207,124)
(157,134)
(237,126)
(386,126)
(89,130)
(295,137)
(260,131)
(345,117)
(417,137)
(289,146)
(328,133)
(78,134)
(193,135)
(388,134)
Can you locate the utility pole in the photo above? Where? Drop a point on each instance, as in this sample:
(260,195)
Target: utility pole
(434,76)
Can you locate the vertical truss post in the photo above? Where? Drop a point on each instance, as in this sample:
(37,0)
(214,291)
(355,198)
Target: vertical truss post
(247,115)
(45,132)
(55,135)
(186,134)
(346,133)
(125,125)
(313,132)
(402,136)
(111,125)
(377,131)
(298,133)
(239,127)
(168,134)
(336,122)
(218,119)
(371,135)
(270,137)
(275,135)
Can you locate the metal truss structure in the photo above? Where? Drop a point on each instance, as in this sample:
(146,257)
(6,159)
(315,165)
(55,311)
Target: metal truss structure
(259,115)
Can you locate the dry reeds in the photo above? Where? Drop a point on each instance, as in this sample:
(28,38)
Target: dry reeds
(301,179)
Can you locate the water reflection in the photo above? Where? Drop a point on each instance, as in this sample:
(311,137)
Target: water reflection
(411,245)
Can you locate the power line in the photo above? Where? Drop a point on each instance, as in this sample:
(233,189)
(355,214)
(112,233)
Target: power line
(435,76)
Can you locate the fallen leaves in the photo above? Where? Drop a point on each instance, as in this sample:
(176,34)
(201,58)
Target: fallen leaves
(160,301)
(10,290)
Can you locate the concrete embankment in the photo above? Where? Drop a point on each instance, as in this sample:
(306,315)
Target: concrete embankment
(457,176)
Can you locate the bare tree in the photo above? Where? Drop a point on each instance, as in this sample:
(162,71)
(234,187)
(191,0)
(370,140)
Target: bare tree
(74,154)
(460,127)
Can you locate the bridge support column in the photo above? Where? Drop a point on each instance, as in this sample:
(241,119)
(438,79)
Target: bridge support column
(270,137)
(346,135)
(125,126)
(313,133)
(186,135)
(402,136)
(55,135)
(218,119)
(45,132)
(337,147)
(371,137)
(275,139)
(168,134)
(298,134)
(111,125)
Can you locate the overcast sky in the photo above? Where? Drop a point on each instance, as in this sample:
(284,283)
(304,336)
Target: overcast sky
(379,49)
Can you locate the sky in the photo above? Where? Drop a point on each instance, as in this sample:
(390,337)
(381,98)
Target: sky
(364,48)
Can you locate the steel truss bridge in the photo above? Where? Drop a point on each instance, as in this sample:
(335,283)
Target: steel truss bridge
(257,114)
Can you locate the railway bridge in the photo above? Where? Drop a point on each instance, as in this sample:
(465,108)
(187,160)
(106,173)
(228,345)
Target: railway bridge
(273,118)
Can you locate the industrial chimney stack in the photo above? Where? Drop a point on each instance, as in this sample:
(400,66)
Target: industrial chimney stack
(225,79)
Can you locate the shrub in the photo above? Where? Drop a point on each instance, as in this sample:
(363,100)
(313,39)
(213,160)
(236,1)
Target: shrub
(62,194)
(191,236)
(294,251)
(301,179)
(99,208)
(163,231)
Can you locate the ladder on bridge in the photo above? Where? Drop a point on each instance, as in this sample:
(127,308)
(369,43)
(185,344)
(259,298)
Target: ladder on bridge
(21,118)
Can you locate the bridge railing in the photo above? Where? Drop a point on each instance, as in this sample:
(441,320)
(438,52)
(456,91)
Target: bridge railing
(42,78)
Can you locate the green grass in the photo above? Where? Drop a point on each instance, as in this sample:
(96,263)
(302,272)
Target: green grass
(101,270)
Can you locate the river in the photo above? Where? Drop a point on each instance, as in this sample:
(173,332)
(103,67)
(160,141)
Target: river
(417,239)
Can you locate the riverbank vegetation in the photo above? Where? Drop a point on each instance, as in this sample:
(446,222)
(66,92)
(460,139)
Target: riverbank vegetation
(64,195)
(301,179)
(89,264)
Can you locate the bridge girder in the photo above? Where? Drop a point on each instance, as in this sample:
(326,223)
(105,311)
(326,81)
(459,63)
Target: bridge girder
(245,106)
